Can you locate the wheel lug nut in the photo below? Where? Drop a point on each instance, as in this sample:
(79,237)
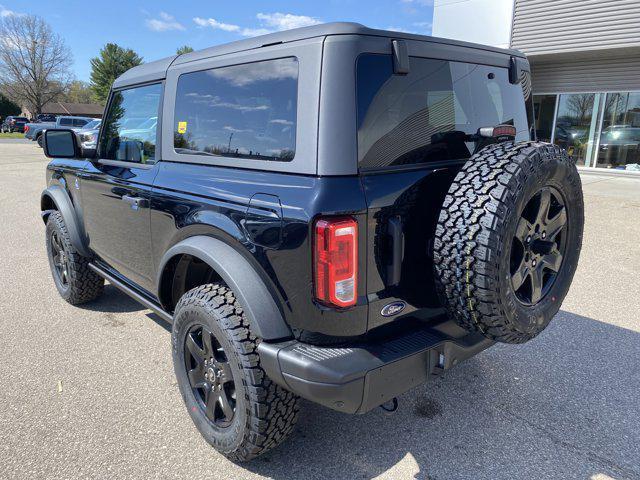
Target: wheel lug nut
(528,239)
(544,234)
(533,263)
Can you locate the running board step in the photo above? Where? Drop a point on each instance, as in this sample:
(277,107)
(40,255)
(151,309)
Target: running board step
(136,295)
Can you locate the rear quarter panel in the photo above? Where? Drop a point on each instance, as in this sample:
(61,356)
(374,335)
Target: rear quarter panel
(191,199)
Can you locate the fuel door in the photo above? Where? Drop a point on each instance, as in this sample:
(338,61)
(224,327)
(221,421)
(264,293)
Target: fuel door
(263,220)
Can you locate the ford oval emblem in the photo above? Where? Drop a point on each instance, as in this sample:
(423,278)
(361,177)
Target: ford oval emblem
(392,309)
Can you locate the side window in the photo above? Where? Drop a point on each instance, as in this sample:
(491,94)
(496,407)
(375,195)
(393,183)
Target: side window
(242,111)
(129,133)
(66,122)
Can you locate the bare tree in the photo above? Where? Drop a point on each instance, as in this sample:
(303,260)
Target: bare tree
(581,105)
(34,61)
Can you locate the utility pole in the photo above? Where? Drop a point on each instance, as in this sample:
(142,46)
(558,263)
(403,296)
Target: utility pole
(229,146)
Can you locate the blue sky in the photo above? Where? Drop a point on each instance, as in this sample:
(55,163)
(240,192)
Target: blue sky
(155,29)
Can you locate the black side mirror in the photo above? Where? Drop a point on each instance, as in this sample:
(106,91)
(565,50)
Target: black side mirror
(64,143)
(60,144)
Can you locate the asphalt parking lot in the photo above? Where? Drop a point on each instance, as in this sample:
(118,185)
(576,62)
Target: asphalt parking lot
(90,392)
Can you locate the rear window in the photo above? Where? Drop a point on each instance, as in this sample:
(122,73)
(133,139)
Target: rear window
(427,115)
(241,111)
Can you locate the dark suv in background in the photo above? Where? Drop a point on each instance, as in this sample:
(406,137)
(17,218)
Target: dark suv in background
(13,124)
(332,212)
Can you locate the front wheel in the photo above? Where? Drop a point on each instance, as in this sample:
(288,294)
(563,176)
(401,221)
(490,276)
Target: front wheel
(234,405)
(75,281)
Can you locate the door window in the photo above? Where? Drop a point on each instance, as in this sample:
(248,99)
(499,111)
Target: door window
(129,133)
(66,122)
(241,111)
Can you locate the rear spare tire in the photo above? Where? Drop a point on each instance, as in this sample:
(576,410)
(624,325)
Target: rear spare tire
(508,239)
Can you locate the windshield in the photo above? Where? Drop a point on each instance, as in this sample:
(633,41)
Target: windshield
(92,125)
(621,134)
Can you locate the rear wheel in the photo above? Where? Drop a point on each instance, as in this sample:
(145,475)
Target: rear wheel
(39,140)
(234,405)
(508,240)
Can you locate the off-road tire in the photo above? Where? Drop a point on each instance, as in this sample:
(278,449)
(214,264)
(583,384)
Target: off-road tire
(39,140)
(476,228)
(83,284)
(265,413)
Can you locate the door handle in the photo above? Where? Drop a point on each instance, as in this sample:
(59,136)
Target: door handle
(135,202)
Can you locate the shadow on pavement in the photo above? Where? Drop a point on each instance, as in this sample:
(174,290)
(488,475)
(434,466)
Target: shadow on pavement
(113,301)
(565,405)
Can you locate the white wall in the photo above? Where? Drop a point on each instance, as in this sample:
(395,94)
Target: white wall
(479,21)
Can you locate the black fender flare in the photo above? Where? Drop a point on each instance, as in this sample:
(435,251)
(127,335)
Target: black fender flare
(61,200)
(264,316)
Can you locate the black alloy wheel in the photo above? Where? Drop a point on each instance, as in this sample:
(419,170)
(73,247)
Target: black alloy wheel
(538,246)
(210,375)
(60,259)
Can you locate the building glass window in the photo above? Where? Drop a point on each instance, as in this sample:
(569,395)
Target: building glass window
(544,108)
(619,145)
(575,129)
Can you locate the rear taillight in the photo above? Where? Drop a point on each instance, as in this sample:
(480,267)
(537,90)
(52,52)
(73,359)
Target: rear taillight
(26,128)
(336,261)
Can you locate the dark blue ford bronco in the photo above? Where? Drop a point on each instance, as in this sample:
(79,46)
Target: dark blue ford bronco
(334,212)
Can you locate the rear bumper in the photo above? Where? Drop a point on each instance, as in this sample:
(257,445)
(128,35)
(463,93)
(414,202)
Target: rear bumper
(357,378)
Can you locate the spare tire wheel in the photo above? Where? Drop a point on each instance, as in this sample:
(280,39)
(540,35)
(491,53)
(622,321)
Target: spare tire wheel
(508,239)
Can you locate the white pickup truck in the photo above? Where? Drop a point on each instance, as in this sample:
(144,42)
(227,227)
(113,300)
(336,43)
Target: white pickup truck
(33,131)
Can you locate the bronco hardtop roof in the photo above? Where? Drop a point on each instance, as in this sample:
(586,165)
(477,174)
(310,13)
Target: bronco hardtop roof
(157,70)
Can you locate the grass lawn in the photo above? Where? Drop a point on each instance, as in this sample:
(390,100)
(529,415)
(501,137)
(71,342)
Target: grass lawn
(12,135)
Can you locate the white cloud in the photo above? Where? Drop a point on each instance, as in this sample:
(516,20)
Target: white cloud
(269,23)
(255,32)
(215,24)
(229,128)
(281,121)
(5,12)
(286,21)
(241,75)
(164,23)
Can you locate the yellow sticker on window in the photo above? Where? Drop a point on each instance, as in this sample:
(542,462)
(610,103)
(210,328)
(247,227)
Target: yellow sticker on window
(182,127)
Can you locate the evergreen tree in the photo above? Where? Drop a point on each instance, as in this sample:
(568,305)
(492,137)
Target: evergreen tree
(7,107)
(112,62)
(184,49)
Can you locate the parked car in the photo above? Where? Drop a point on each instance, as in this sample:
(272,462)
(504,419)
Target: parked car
(619,146)
(34,130)
(13,124)
(45,117)
(88,134)
(317,217)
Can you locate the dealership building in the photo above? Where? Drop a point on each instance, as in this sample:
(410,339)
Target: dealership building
(585,63)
